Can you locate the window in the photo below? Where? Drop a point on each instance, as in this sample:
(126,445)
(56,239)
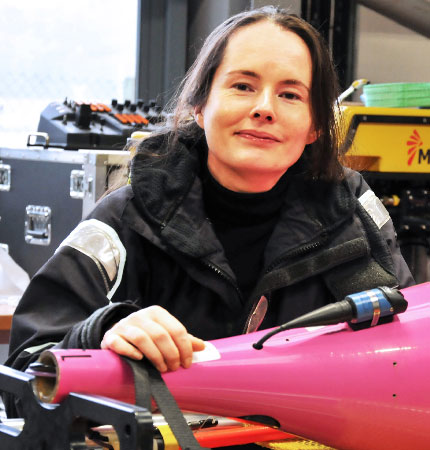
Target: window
(83,50)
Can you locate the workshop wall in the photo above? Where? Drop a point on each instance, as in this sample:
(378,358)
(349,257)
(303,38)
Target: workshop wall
(387,52)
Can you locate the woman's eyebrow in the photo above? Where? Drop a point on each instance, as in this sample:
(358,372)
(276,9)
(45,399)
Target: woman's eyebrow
(250,73)
(295,83)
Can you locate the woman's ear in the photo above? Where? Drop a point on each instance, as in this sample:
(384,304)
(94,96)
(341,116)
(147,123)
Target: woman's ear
(313,135)
(198,117)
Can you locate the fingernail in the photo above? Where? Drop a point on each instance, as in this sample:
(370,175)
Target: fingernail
(187,363)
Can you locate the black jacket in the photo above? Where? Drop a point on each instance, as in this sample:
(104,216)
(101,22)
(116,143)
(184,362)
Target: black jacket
(151,243)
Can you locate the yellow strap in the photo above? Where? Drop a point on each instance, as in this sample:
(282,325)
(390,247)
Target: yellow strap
(170,442)
(294,444)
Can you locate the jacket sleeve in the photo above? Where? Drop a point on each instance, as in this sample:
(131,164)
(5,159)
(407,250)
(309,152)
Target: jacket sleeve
(382,219)
(67,303)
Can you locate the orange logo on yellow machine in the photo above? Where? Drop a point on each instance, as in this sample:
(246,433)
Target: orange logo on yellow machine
(414,143)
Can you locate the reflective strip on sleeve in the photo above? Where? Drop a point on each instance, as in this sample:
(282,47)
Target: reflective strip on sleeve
(101,243)
(374,208)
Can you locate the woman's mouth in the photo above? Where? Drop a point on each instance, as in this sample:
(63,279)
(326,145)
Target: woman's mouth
(258,136)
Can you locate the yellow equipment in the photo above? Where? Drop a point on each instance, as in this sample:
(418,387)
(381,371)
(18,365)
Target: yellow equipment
(387,140)
(391,146)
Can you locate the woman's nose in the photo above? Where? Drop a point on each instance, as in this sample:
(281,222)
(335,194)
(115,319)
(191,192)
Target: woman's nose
(264,116)
(264,110)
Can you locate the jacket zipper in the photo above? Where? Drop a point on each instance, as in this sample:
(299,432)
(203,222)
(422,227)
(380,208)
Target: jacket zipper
(292,254)
(223,275)
(226,277)
(297,252)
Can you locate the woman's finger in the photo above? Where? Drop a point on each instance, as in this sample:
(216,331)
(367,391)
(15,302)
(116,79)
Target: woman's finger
(159,337)
(178,333)
(197,343)
(154,333)
(118,344)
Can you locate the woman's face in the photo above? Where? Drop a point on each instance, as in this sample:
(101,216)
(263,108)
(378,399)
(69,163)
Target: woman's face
(257,118)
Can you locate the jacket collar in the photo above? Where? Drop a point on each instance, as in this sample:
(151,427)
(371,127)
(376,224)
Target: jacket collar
(168,194)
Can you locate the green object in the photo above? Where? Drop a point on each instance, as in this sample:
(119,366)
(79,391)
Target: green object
(397,95)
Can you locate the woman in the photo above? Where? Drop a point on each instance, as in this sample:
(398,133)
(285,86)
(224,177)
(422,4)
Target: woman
(242,206)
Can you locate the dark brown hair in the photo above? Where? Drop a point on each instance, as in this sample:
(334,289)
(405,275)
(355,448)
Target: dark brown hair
(322,157)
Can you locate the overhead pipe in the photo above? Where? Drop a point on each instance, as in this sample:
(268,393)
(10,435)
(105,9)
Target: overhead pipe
(413,14)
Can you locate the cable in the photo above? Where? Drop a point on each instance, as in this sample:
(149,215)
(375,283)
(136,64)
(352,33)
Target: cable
(367,306)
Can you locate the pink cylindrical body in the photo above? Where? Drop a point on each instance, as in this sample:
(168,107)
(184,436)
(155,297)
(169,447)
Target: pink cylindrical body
(352,390)
(100,372)
(363,390)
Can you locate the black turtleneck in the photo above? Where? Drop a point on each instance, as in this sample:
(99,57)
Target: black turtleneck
(243,223)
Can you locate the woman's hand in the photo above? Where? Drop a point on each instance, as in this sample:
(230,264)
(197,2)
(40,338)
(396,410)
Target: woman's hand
(154,333)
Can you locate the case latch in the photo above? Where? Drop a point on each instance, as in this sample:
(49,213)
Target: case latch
(5,177)
(37,225)
(77,184)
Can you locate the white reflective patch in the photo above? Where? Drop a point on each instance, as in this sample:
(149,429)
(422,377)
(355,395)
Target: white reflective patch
(210,353)
(36,348)
(374,208)
(101,243)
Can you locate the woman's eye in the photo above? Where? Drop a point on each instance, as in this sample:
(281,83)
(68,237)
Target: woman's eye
(290,96)
(242,87)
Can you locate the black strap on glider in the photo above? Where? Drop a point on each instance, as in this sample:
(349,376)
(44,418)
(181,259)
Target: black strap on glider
(148,381)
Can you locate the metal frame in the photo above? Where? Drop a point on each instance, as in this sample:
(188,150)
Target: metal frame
(343,40)
(64,426)
(161,48)
(336,21)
